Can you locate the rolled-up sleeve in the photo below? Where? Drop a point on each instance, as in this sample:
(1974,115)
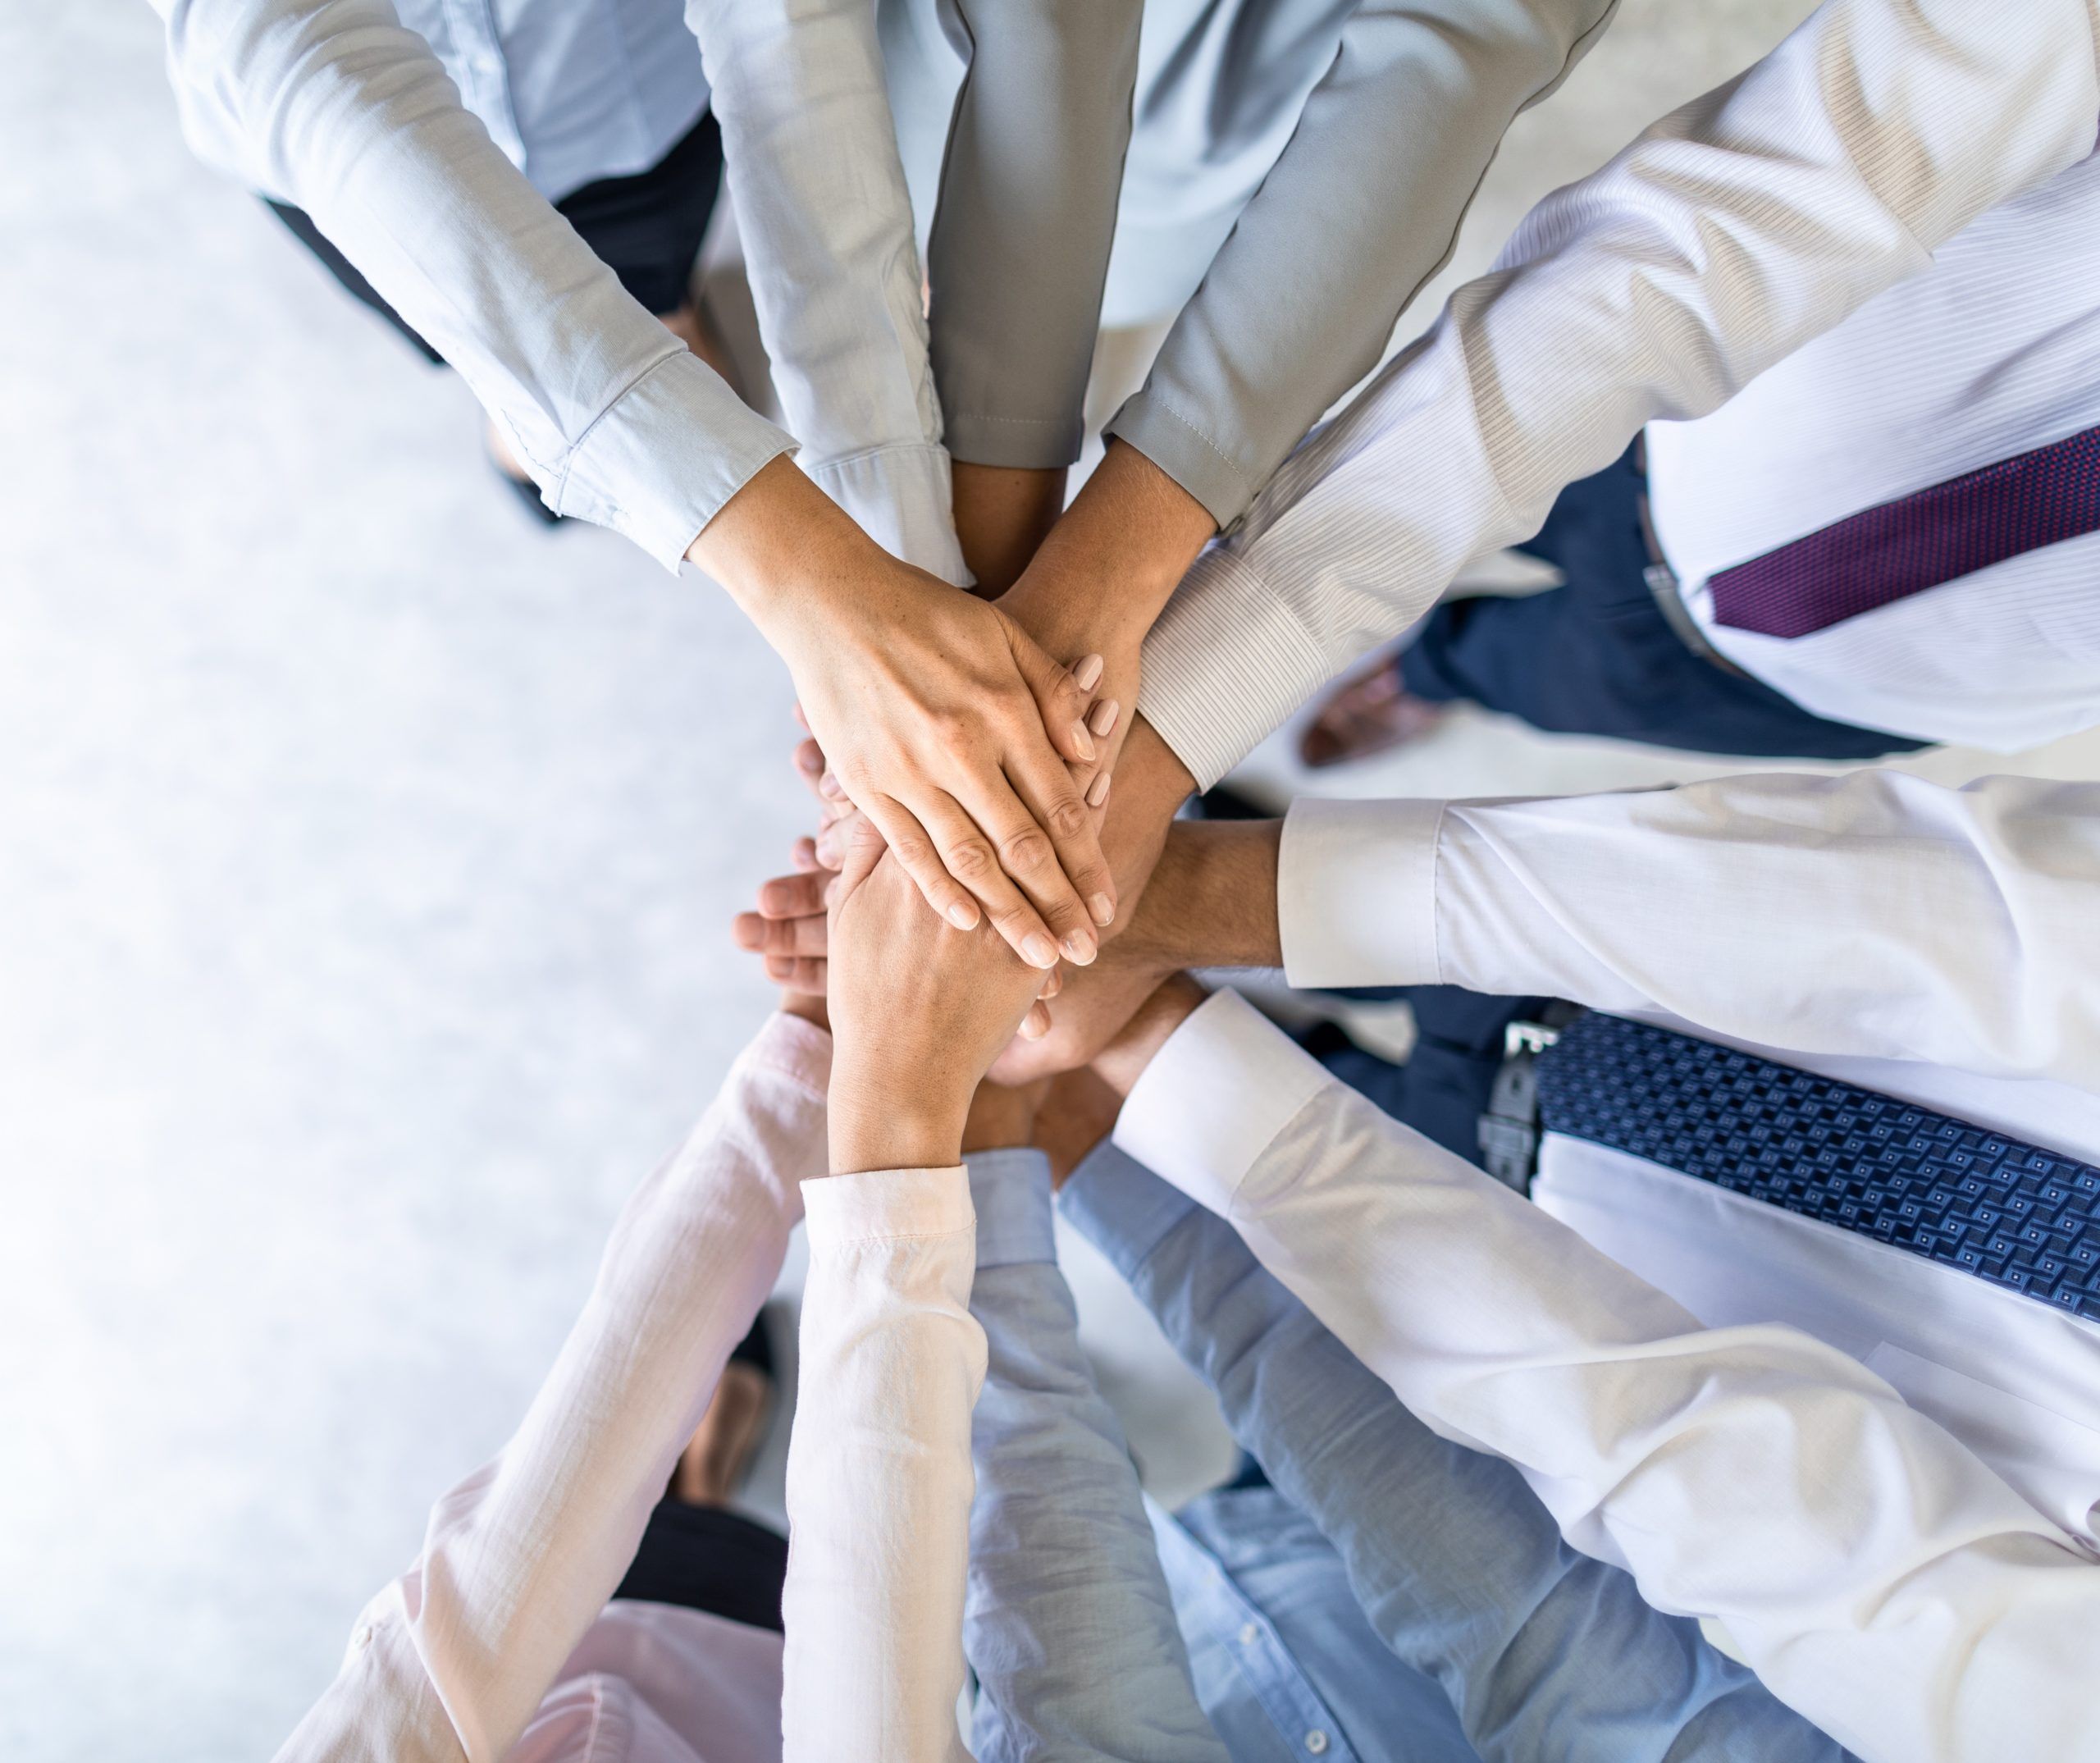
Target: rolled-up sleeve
(1731,232)
(333,105)
(1020,248)
(825,220)
(1362,209)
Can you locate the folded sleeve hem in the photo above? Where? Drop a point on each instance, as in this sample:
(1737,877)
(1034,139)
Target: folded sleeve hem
(1185,454)
(902,497)
(1356,893)
(1022,443)
(885,1205)
(1227,1081)
(665,456)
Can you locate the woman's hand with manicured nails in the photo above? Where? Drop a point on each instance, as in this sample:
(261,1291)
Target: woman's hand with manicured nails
(941,720)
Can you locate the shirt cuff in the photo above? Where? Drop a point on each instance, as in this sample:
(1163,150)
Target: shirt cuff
(1011,1191)
(660,463)
(1227,1081)
(881,1205)
(1122,1208)
(903,498)
(1227,662)
(1356,893)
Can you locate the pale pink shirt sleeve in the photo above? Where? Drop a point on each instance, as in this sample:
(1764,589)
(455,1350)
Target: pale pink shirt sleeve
(878,1472)
(451,1661)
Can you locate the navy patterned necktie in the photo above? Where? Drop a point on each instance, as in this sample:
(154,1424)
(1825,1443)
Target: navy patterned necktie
(2017,1216)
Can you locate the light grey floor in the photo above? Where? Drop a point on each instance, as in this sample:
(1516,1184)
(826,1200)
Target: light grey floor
(365,858)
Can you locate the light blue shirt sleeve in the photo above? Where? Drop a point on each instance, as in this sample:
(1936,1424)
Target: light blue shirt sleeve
(1543,1651)
(1069,1624)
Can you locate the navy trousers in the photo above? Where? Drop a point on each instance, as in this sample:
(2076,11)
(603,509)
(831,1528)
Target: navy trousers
(1595,655)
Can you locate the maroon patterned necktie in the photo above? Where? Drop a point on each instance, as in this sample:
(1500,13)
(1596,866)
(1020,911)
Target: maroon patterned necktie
(1897,549)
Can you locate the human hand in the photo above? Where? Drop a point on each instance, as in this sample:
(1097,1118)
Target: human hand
(1100,578)
(952,730)
(919,1008)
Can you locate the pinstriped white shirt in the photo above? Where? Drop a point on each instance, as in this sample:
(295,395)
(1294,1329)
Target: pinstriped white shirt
(1993,351)
(1729,234)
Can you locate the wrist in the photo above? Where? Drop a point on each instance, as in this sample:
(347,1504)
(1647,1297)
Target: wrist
(1123,1061)
(781,549)
(880,1117)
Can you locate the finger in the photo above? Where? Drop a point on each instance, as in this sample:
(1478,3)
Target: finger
(1036,1024)
(805,855)
(804,975)
(908,842)
(1061,700)
(1053,983)
(749,930)
(971,858)
(793,895)
(809,761)
(1028,854)
(1048,793)
(794,937)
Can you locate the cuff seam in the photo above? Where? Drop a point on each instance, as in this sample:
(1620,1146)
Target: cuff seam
(612,403)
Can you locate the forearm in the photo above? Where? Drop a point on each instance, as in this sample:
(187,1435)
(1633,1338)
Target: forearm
(879,1473)
(1106,570)
(333,105)
(1458,1568)
(521,1558)
(1021,232)
(1003,514)
(1714,901)
(1354,217)
(1070,1626)
(1731,232)
(826,225)
(1746,1474)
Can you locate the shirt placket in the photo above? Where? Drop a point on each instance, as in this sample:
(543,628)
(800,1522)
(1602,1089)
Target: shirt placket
(1301,1718)
(485,80)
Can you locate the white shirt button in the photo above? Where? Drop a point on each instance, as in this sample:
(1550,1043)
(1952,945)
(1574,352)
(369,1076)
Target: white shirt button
(1315,1741)
(1248,1635)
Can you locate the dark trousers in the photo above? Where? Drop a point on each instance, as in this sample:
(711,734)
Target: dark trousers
(708,1557)
(1444,1088)
(1596,656)
(646,228)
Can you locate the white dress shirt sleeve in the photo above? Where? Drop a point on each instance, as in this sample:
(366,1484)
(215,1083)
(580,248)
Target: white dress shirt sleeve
(1872,914)
(825,220)
(1877,1576)
(333,105)
(451,1661)
(879,1473)
(1731,232)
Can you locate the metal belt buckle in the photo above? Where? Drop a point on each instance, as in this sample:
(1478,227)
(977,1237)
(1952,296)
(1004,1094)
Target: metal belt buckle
(1509,1130)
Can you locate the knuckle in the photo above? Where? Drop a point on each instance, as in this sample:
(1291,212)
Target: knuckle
(1067,818)
(954,731)
(1025,851)
(970,859)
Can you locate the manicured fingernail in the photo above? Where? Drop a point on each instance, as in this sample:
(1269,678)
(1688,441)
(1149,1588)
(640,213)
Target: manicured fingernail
(963,917)
(1087,672)
(1039,950)
(1104,719)
(1083,740)
(1104,910)
(1081,948)
(1034,1025)
(1097,792)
